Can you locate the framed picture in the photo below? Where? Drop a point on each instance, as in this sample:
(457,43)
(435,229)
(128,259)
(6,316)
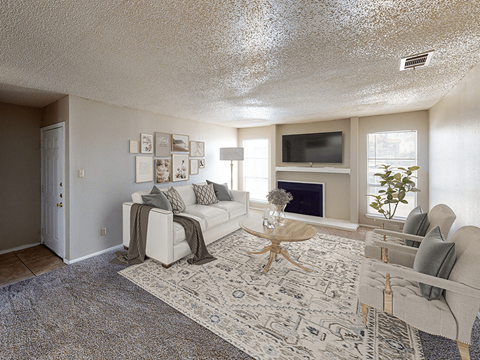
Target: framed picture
(197,148)
(201,163)
(193,167)
(162,144)
(180,143)
(143,169)
(162,171)
(180,167)
(146,143)
(133,146)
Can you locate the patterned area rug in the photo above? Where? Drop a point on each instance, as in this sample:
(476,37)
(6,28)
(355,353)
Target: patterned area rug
(287,313)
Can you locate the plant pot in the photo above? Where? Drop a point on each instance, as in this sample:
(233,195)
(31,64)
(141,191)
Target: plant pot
(279,214)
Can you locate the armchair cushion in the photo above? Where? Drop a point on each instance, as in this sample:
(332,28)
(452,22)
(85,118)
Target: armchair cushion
(221,191)
(176,200)
(416,224)
(435,257)
(205,194)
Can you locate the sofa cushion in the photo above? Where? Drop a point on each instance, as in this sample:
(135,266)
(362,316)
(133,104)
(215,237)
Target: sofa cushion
(221,191)
(205,194)
(187,194)
(435,257)
(179,230)
(213,216)
(416,224)
(234,209)
(176,200)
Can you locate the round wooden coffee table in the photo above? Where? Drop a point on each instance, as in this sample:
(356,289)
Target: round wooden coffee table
(292,231)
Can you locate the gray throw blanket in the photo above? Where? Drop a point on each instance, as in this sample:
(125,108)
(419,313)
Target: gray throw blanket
(194,237)
(138,238)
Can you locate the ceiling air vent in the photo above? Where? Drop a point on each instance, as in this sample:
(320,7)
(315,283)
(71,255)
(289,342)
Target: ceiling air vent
(414,61)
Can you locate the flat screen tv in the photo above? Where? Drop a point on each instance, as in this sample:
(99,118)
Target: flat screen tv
(313,148)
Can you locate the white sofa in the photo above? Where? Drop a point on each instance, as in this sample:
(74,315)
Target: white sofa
(166,240)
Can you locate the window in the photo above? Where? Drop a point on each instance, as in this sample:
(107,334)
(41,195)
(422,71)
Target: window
(255,169)
(391,148)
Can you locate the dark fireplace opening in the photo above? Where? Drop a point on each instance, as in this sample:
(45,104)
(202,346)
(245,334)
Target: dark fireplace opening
(307,197)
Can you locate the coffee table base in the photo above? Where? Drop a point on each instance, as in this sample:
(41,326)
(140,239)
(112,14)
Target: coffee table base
(276,249)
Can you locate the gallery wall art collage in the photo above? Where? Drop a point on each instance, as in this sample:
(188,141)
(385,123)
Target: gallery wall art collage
(172,157)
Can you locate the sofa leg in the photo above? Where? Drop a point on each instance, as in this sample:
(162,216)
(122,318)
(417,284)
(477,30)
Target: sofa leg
(364,313)
(167,266)
(463,348)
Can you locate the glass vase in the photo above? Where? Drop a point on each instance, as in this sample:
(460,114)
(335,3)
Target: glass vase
(279,214)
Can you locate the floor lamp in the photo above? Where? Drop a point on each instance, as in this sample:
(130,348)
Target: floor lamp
(231,154)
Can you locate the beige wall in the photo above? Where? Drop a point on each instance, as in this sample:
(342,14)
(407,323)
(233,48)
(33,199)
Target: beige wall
(337,186)
(99,134)
(455,151)
(19,176)
(56,112)
(417,120)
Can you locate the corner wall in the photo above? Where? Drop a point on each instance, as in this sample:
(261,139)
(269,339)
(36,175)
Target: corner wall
(19,176)
(99,137)
(455,151)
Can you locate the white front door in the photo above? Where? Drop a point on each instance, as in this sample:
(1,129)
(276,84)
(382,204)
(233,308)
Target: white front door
(53,188)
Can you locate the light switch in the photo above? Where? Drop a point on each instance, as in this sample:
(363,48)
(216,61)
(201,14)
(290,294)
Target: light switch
(81,173)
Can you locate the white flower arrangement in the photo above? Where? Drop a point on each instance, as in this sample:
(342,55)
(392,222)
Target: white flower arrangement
(279,197)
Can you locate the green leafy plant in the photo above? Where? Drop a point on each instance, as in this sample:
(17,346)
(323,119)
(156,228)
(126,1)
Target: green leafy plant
(399,182)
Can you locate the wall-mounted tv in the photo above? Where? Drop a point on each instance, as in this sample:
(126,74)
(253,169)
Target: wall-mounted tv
(313,148)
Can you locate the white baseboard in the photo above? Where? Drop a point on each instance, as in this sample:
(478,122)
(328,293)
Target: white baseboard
(68,262)
(19,248)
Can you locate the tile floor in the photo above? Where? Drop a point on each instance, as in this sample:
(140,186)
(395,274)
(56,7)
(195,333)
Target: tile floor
(23,264)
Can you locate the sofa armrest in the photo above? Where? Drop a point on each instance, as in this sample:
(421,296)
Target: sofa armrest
(409,274)
(393,246)
(242,197)
(398,235)
(159,233)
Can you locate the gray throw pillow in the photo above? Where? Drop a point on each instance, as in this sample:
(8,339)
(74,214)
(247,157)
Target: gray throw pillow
(417,223)
(155,190)
(157,200)
(221,191)
(176,200)
(435,257)
(205,194)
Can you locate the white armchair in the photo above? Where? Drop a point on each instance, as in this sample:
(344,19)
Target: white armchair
(394,289)
(441,215)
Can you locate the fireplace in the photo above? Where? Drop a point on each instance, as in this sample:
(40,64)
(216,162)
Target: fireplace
(308,198)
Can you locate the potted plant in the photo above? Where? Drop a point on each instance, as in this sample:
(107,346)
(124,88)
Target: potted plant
(279,198)
(399,182)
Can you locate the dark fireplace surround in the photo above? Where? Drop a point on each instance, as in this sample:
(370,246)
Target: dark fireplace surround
(307,197)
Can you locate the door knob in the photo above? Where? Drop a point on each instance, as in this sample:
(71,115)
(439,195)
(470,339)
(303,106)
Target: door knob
(60,205)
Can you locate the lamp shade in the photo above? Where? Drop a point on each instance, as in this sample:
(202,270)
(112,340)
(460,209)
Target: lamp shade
(233,153)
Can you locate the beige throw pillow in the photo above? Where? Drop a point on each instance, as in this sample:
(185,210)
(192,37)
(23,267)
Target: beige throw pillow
(205,194)
(176,200)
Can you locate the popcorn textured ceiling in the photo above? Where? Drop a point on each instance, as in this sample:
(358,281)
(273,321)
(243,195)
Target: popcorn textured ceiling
(240,63)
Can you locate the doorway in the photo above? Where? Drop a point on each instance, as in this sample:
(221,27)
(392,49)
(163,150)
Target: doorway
(53,188)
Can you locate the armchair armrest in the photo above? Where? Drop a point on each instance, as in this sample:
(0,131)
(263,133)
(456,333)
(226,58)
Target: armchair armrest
(409,274)
(393,246)
(398,234)
(390,221)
